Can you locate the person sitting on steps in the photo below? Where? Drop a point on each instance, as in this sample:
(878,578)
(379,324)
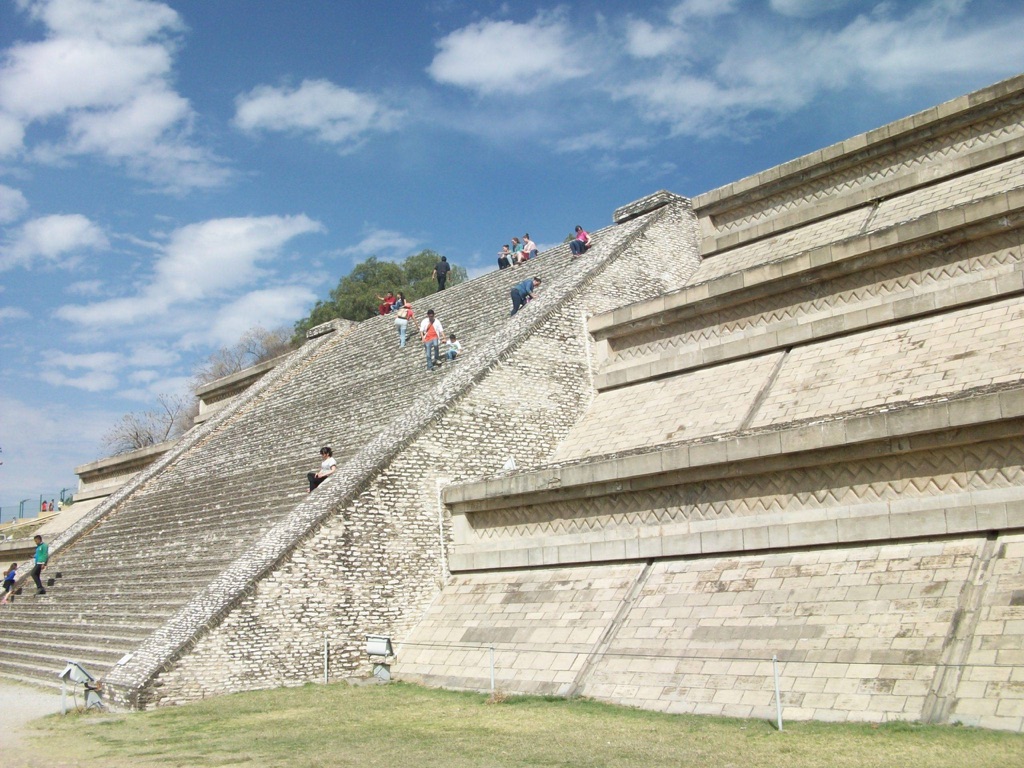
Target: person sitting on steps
(581,242)
(327,467)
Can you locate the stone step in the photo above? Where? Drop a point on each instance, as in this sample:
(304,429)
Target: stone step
(153,604)
(66,648)
(126,634)
(127,575)
(45,666)
(98,622)
(154,526)
(32,682)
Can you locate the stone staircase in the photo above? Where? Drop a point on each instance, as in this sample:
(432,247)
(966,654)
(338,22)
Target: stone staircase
(159,543)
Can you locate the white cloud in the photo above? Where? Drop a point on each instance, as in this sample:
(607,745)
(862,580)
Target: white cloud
(92,372)
(124,21)
(644,40)
(331,114)
(50,238)
(144,355)
(268,308)
(85,288)
(89,381)
(199,264)
(12,135)
(806,8)
(101,371)
(13,313)
(12,204)
(382,242)
(103,74)
(33,436)
(88,361)
(493,57)
(704,9)
(775,70)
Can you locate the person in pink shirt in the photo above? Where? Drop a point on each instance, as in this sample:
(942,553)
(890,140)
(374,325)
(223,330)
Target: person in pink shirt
(529,247)
(581,243)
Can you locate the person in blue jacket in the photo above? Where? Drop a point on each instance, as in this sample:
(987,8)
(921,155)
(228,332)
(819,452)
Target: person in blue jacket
(523,292)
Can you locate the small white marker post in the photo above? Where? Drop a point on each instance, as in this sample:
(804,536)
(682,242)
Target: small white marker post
(778,698)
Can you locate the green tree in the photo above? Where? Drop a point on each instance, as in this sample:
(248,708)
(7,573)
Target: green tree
(356,295)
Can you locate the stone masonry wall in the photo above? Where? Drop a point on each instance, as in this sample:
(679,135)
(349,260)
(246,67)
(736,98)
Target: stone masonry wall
(811,451)
(375,567)
(967,133)
(896,630)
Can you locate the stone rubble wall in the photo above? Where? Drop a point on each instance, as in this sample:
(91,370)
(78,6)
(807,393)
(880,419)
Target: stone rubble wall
(364,553)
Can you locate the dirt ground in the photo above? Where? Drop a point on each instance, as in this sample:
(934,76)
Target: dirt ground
(19,705)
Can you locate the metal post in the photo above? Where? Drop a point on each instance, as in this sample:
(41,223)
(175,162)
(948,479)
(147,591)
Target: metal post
(492,670)
(778,697)
(63,696)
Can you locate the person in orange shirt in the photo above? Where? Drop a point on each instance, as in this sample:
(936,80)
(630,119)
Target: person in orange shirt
(432,334)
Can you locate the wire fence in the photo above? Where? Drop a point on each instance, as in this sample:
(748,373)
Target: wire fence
(35,506)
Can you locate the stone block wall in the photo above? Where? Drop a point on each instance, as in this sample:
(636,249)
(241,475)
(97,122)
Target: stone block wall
(962,135)
(861,633)
(367,553)
(813,450)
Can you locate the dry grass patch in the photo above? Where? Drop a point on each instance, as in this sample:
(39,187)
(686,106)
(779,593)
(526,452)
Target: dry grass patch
(406,726)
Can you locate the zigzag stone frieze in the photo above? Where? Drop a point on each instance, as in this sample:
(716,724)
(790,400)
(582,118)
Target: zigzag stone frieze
(917,203)
(998,464)
(867,287)
(918,153)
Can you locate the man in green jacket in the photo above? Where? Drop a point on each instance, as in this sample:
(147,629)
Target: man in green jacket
(42,555)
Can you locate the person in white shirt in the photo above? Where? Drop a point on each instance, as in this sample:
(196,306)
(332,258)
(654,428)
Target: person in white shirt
(454,348)
(432,334)
(327,467)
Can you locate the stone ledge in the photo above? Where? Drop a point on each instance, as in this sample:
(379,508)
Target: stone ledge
(647,204)
(331,326)
(760,280)
(747,535)
(963,110)
(850,318)
(123,462)
(885,431)
(712,245)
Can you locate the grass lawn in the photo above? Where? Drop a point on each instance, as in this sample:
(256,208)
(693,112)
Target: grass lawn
(405,726)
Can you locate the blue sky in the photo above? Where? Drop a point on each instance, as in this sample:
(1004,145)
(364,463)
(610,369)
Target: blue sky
(175,173)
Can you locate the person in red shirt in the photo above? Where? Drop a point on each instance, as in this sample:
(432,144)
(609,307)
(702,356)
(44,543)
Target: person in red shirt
(385,303)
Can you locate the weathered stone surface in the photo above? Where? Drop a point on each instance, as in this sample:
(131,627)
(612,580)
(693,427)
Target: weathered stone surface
(786,421)
(816,441)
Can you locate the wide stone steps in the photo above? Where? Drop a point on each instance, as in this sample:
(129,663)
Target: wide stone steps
(178,576)
(130,629)
(117,623)
(45,667)
(123,578)
(160,521)
(76,649)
